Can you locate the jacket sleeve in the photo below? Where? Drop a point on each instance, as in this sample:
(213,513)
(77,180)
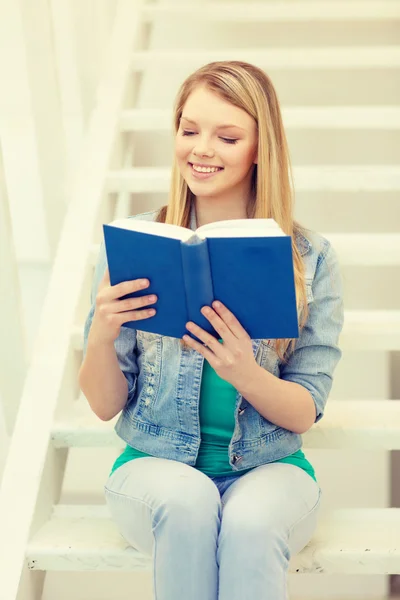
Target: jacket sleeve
(317,353)
(125,344)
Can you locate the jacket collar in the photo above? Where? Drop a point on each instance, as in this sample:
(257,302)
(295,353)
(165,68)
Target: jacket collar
(302,242)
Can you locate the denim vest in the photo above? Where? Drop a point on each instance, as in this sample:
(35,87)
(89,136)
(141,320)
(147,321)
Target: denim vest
(161,415)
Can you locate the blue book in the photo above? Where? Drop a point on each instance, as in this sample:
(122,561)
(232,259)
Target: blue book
(247,264)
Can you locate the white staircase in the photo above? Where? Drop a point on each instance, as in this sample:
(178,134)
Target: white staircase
(37,533)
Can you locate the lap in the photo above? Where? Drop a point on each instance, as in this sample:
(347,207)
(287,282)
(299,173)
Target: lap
(138,491)
(283,489)
(276,496)
(152,479)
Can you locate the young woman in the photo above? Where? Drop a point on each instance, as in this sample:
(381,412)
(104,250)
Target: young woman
(213,484)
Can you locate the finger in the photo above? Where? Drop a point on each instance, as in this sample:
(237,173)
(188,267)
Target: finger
(219,325)
(202,349)
(134,303)
(205,337)
(126,287)
(230,320)
(137,315)
(104,281)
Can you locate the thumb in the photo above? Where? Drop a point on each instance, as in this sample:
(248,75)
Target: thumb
(105,280)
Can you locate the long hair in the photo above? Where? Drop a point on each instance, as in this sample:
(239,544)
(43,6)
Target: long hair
(272,196)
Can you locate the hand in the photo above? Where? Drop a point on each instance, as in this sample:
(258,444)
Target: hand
(233,359)
(111,312)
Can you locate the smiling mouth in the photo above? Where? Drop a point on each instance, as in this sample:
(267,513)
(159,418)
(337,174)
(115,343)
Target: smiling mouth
(214,169)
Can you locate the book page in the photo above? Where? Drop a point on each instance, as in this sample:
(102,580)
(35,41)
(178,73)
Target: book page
(154,228)
(241,228)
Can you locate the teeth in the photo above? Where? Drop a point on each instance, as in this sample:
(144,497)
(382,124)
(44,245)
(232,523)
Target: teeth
(205,169)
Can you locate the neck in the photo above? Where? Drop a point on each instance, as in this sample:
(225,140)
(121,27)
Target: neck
(208,211)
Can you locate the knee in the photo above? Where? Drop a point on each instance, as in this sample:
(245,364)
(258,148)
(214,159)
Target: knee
(196,503)
(258,533)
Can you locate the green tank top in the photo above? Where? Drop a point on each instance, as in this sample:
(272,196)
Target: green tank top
(217,423)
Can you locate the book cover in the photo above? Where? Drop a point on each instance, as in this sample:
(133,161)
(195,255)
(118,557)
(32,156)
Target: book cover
(250,271)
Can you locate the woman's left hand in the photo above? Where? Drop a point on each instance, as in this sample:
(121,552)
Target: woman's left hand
(233,359)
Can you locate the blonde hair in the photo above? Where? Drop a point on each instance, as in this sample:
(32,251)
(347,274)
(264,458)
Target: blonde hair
(249,88)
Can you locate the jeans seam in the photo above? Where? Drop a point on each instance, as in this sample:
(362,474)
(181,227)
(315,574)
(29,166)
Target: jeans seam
(126,497)
(306,515)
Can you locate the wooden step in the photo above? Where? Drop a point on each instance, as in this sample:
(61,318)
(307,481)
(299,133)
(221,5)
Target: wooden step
(339,178)
(275,12)
(353,249)
(294,117)
(296,57)
(349,541)
(362,330)
(347,424)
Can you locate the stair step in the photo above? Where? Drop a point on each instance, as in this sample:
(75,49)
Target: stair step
(276,12)
(347,424)
(353,249)
(366,249)
(294,117)
(348,178)
(362,330)
(371,330)
(296,57)
(350,541)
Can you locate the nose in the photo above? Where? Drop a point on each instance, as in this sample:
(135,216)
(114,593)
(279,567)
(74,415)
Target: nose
(202,148)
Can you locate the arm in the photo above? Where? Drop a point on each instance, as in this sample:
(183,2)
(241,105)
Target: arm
(297,399)
(108,373)
(102,381)
(288,405)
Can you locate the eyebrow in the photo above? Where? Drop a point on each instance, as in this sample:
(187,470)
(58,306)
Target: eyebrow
(218,126)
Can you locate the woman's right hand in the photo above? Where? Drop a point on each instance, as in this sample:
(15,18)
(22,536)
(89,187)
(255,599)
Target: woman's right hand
(111,312)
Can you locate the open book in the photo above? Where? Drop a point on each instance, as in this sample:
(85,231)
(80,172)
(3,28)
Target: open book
(247,264)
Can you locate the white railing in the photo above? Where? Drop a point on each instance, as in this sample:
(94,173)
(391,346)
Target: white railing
(69,84)
(24,240)
(81,33)
(13,357)
(31,487)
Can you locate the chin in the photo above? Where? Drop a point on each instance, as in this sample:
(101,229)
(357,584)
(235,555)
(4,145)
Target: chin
(202,191)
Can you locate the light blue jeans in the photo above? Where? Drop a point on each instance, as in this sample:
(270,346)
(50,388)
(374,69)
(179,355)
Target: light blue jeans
(226,538)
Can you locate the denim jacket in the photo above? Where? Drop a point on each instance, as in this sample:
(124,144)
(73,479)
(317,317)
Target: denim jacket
(161,415)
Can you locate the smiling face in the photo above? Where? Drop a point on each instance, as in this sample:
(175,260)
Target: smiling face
(214,134)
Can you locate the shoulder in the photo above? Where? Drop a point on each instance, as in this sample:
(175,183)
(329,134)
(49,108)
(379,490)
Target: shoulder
(311,242)
(316,250)
(151,215)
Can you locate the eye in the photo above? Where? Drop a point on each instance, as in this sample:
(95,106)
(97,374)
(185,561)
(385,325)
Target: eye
(226,140)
